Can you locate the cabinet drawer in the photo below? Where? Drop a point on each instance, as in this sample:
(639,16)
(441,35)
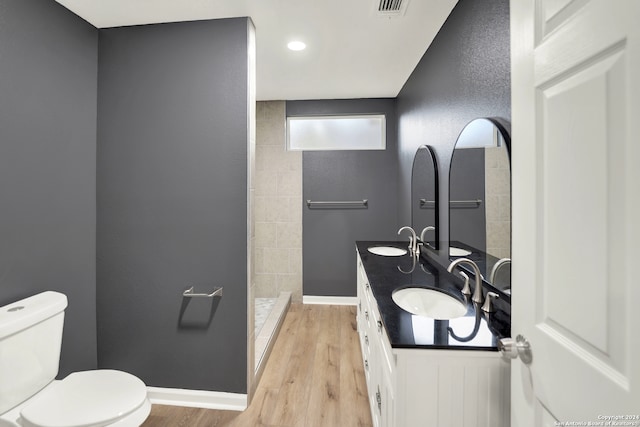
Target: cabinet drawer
(377,329)
(375,400)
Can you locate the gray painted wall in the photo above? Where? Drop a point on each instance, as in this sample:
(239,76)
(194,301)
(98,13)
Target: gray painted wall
(48,97)
(172,202)
(463,75)
(329,235)
(468,224)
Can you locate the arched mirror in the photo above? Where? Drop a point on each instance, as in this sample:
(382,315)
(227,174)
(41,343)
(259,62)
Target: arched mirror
(480,200)
(424,196)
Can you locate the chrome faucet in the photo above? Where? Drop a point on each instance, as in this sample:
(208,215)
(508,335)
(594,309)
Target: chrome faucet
(424,230)
(413,241)
(477,292)
(487,307)
(496,267)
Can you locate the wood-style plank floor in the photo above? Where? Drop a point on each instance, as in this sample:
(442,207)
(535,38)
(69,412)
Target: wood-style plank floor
(314,377)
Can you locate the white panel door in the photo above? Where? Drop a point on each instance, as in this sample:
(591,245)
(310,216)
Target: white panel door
(576,210)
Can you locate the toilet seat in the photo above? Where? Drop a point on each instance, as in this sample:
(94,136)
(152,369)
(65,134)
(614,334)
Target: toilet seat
(86,399)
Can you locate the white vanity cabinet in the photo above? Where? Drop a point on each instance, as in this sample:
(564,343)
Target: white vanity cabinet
(376,354)
(428,387)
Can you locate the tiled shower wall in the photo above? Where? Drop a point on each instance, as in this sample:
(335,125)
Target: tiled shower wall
(278,206)
(498,205)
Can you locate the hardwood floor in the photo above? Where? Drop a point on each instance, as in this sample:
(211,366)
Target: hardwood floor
(314,377)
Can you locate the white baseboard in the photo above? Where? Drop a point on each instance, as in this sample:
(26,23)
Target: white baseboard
(310,299)
(197,398)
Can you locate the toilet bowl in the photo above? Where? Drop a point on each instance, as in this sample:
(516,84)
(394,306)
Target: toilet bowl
(30,338)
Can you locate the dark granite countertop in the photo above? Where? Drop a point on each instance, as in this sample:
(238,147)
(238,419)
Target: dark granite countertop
(474,331)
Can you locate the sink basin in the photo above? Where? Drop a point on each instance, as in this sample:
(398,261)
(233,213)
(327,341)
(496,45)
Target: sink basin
(387,251)
(458,252)
(429,303)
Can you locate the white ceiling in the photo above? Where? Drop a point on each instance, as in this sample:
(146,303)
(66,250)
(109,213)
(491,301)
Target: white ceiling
(352,51)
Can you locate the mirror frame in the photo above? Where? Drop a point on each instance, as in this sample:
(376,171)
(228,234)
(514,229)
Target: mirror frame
(436,195)
(501,126)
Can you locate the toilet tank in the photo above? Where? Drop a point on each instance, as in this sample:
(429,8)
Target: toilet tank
(30,341)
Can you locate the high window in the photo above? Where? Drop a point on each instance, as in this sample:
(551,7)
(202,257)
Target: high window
(325,133)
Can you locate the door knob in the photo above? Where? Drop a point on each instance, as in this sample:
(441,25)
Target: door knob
(511,349)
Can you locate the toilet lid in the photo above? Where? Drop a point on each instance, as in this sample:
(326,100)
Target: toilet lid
(90,398)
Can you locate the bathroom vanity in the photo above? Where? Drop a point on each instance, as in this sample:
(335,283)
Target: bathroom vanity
(422,371)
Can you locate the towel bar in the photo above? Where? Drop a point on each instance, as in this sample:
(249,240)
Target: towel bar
(350,204)
(190,294)
(430,204)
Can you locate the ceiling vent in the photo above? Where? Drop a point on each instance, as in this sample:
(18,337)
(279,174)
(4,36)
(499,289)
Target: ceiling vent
(392,7)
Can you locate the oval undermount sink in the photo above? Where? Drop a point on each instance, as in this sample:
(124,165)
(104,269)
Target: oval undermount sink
(458,252)
(429,303)
(387,251)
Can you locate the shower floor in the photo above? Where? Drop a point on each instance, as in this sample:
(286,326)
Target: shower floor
(262,310)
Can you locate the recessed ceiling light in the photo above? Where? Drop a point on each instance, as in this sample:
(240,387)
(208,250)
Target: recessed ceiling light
(296,45)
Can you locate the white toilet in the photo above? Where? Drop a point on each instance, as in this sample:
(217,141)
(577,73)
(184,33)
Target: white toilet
(30,341)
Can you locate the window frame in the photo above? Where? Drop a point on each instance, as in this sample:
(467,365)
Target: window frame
(379,147)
